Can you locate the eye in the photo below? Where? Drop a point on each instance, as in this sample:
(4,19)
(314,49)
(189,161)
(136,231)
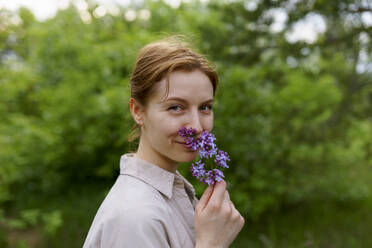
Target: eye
(175,108)
(207,107)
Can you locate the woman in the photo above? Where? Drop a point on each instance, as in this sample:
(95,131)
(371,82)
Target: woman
(151,204)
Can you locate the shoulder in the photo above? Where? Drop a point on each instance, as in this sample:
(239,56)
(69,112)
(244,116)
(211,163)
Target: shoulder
(132,198)
(131,210)
(133,228)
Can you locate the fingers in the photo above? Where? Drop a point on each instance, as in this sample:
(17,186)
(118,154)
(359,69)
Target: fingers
(236,216)
(218,195)
(204,199)
(217,198)
(227,196)
(227,202)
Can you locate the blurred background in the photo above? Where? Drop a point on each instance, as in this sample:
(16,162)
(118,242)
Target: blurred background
(293,110)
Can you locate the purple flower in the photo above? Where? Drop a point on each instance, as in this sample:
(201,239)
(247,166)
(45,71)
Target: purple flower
(218,175)
(208,152)
(185,132)
(207,149)
(221,159)
(197,169)
(207,138)
(191,143)
(189,136)
(209,178)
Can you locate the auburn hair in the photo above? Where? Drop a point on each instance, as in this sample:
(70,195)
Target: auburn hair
(156,61)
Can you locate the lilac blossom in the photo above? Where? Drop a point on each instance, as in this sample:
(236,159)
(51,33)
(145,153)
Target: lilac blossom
(192,143)
(209,178)
(218,175)
(207,146)
(189,136)
(197,169)
(207,153)
(206,149)
(221,159)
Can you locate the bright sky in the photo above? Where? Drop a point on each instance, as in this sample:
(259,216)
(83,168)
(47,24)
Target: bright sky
(306,30)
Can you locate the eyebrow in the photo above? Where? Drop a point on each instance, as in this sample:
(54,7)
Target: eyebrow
(183,100)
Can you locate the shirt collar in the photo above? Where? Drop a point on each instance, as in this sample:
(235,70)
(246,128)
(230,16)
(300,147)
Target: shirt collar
(186,183)
(159,178)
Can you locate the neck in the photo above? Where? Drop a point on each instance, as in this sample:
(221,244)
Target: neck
(145,152)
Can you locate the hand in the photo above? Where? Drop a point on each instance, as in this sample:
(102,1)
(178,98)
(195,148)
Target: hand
(217,222)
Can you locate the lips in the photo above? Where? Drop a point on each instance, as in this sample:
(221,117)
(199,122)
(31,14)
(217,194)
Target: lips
(183,143)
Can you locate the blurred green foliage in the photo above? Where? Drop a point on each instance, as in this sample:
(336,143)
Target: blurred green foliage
(294,116)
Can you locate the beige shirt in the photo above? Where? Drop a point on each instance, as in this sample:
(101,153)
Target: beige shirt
(146,207)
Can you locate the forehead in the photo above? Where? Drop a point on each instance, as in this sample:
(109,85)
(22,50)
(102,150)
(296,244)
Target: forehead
(191,86)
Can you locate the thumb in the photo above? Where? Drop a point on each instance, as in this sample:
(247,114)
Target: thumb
(204,199)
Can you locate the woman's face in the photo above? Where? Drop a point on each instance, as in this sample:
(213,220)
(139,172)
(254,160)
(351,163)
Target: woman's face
(188,103)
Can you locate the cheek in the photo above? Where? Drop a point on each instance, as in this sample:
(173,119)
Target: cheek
(208,123)
(160,125)
(167,127)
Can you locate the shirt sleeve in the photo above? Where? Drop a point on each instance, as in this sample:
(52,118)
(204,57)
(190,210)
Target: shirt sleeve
(133,229)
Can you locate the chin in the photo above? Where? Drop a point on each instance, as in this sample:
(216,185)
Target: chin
(187,157)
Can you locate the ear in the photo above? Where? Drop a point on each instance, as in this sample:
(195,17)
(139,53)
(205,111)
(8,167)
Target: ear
(136,110)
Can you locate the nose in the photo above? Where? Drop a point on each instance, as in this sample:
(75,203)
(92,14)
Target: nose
(195,122)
